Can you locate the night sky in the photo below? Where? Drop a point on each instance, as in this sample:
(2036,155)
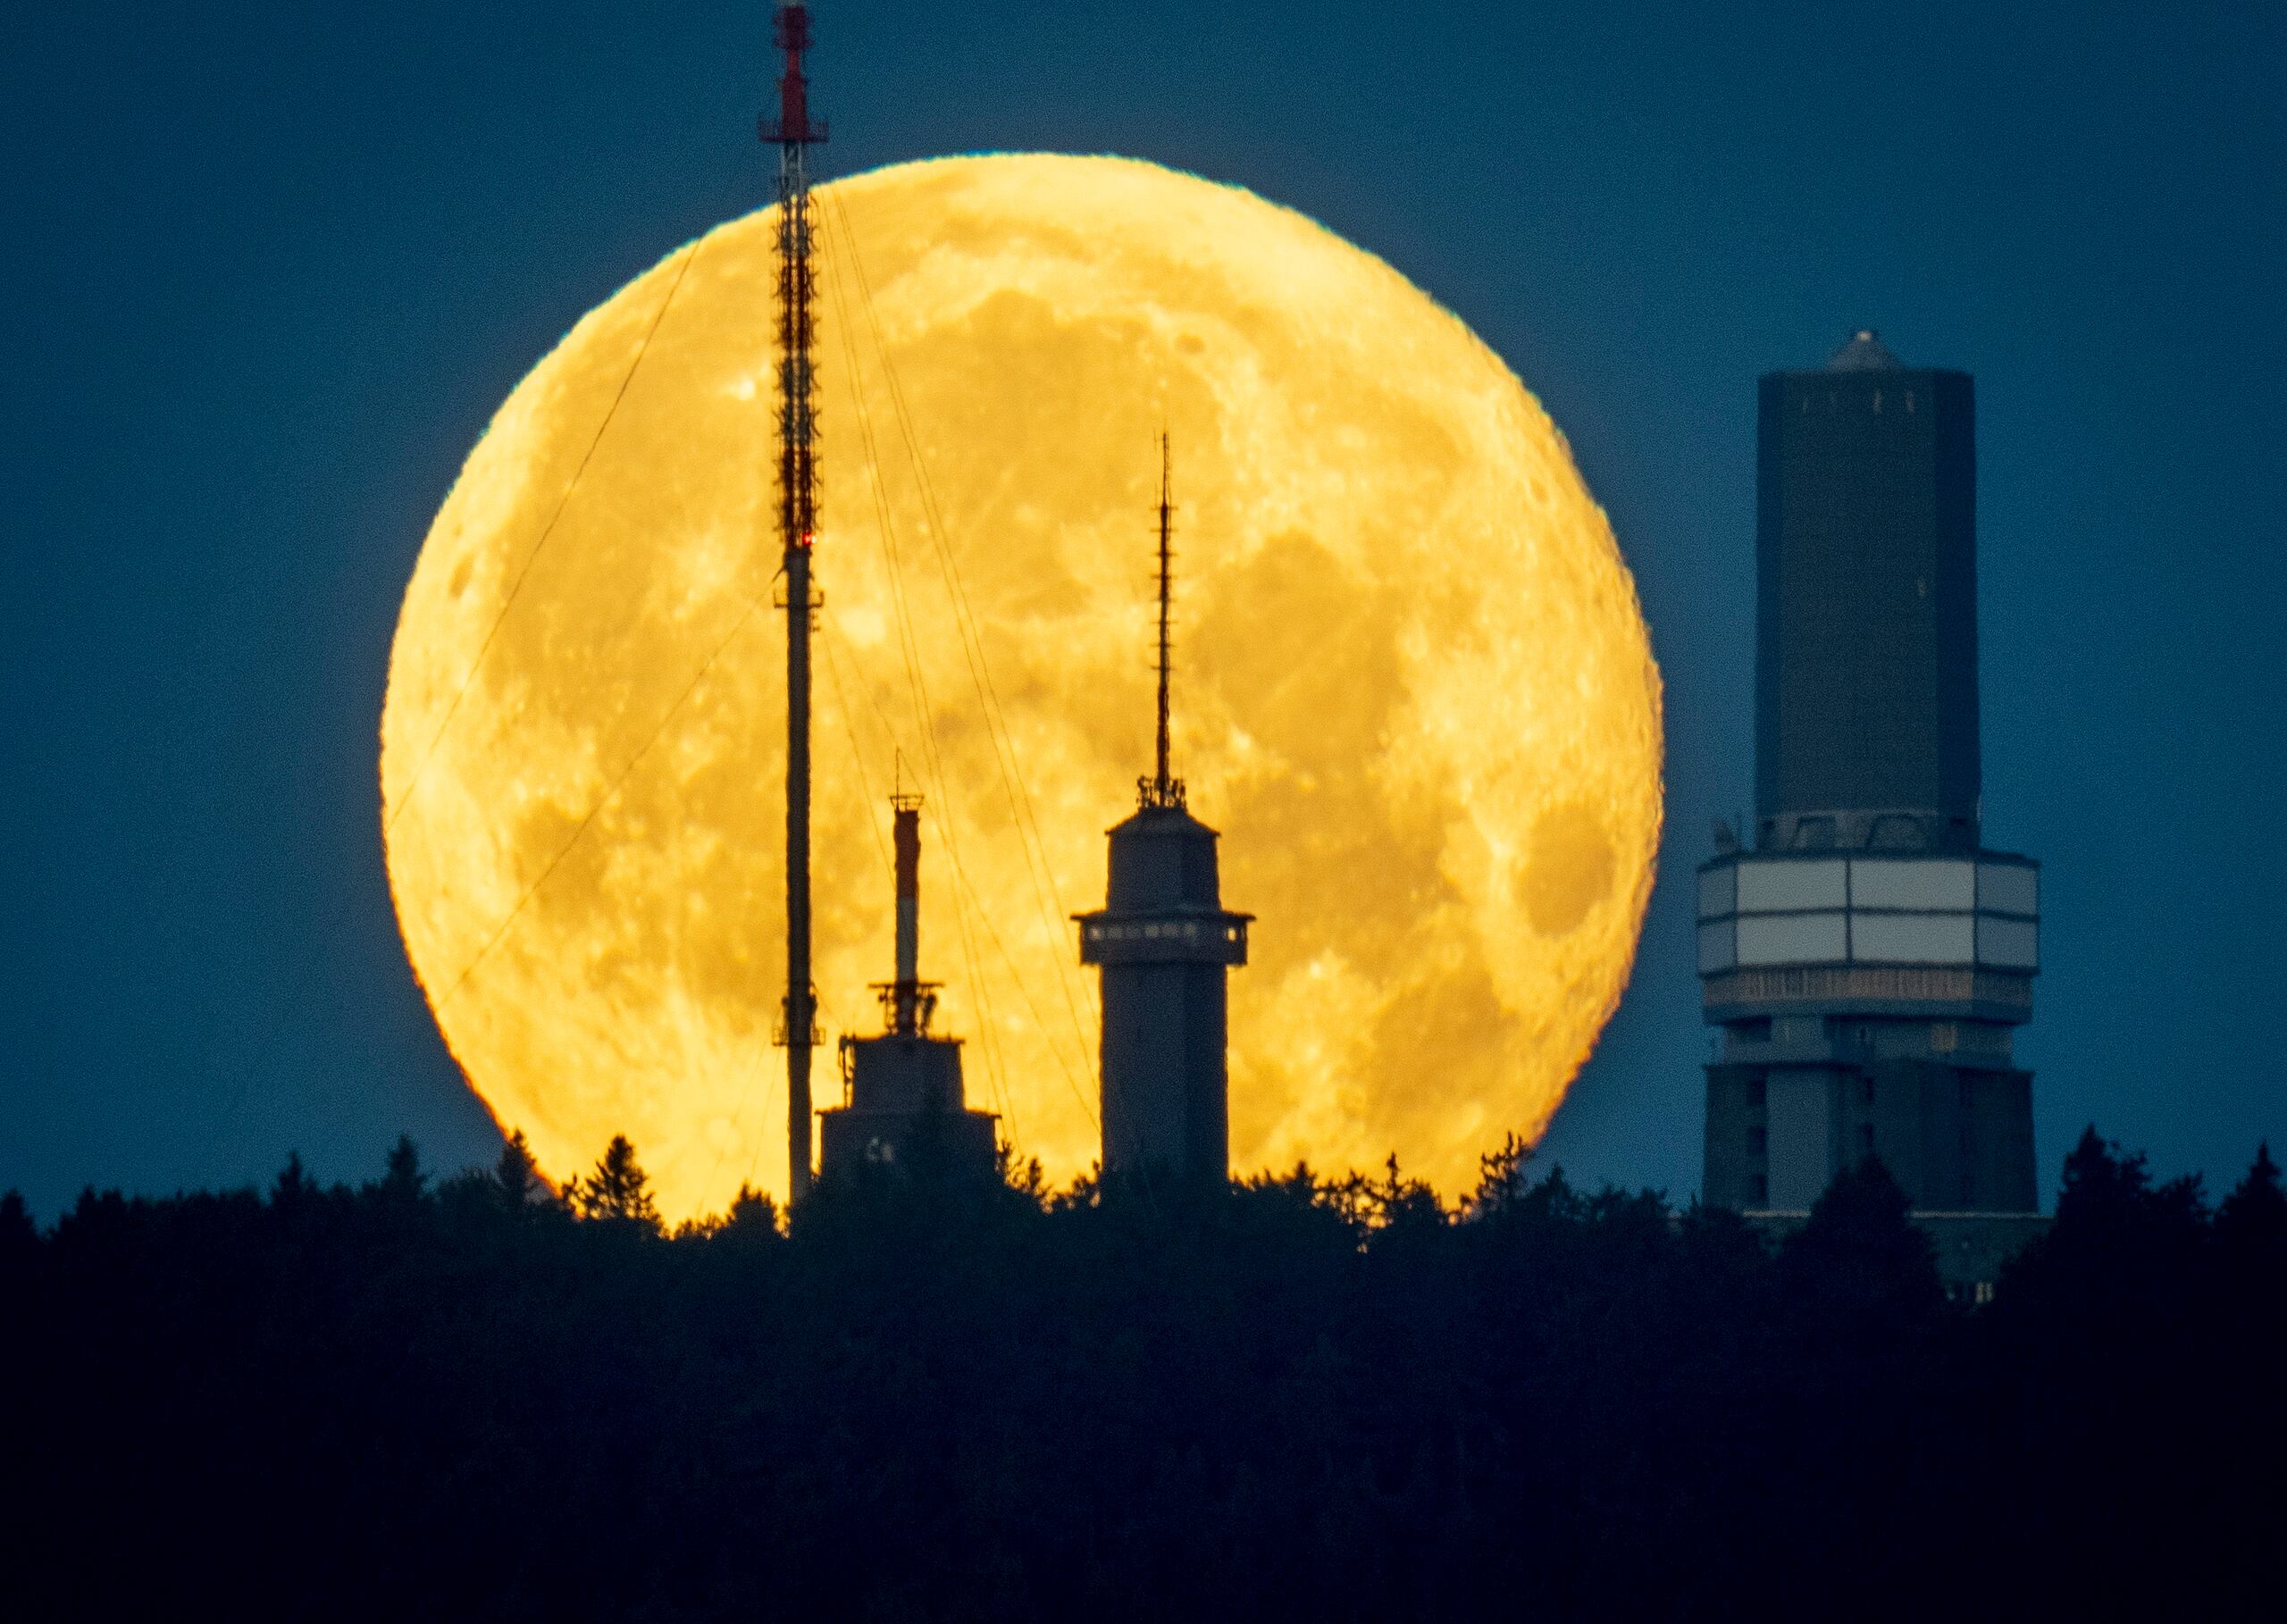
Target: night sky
(270,269)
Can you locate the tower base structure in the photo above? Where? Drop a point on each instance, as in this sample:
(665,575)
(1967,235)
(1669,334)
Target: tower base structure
(1164,944)
(907,1116)
(1867,1006)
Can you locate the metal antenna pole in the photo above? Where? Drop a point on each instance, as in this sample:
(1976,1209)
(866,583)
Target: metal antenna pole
(1159,781)
(792,134)
(1164,789)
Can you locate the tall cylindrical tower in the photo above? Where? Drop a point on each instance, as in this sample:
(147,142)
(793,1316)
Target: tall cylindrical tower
(1163,944)
(1865,959)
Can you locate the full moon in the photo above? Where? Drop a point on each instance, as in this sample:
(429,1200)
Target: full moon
(1413,686)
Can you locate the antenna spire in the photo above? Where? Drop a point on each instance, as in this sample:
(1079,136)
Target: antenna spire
(1164,788)
(792,133)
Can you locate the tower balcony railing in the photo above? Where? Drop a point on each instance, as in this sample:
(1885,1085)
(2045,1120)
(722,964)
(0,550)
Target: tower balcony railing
(1203,937)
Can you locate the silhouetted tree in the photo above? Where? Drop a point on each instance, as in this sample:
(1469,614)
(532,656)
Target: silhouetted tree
(403,1183)
(293,1189)
(752,1216)
(19,1237)
(1317,1398)
(2120,1244)
(517,1183)
(618,1189)
(2252,1223)
(1502,1180)
(1859,1268)
(1023,1176)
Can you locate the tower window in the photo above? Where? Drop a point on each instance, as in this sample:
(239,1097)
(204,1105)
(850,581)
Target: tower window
(1754,1092)
(1758,1189)
(1758,1141)
(1865,1139)
(1866,1039)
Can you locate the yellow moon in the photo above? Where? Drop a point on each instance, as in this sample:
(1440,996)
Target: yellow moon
(1412,685)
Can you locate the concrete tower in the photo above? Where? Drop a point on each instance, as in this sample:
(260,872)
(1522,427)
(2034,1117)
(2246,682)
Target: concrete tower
(905,1111)
(1867,961)
(1163,944)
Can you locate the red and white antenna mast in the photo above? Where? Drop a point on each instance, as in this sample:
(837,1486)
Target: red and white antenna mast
(794,134)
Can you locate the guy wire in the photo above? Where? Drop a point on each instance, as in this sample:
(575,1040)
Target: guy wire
(1012,781)
(931,760)
(277,1021)
(856,756)
(452,709)
(864,788)
(604,801)
(967,898)
(932,756)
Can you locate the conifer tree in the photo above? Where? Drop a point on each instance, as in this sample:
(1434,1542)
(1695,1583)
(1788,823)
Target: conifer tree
(402,1179)
(1859,1268)
(517,1181)
(753,1216)
(293,1187)
(2251,1224)
(618,1188)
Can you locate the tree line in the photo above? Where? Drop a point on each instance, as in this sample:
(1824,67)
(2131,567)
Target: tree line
(1310,1397)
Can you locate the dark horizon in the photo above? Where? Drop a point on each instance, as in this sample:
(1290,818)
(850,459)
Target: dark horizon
(274,271)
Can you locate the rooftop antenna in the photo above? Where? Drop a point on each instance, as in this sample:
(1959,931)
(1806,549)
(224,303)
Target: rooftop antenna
(794,133)
(1163,788)
(908,1001)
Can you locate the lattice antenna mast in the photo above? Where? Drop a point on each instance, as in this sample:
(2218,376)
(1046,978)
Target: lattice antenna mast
(794,133)
(1164,788)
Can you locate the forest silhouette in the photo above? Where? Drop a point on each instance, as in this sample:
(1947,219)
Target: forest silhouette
(1309,1398)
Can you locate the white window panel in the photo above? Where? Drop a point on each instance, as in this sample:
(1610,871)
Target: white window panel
(1913,938)
(2009,888)
(1719,948)
(1718,891)
(1796,939)
(1767,888)
(1932,885)
(2011,944)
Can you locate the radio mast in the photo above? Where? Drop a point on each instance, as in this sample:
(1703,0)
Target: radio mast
(794,134)
(1164,788)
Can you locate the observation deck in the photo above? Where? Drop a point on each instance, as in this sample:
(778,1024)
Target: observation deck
(1937,936)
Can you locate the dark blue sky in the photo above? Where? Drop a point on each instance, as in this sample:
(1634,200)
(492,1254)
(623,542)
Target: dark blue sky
(269,269)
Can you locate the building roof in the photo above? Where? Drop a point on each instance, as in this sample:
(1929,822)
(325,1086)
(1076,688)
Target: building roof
(1863,354)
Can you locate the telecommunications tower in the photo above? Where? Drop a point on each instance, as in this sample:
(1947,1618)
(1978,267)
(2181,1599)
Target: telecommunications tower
(1163,945)
(1864,958)
(794,134)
